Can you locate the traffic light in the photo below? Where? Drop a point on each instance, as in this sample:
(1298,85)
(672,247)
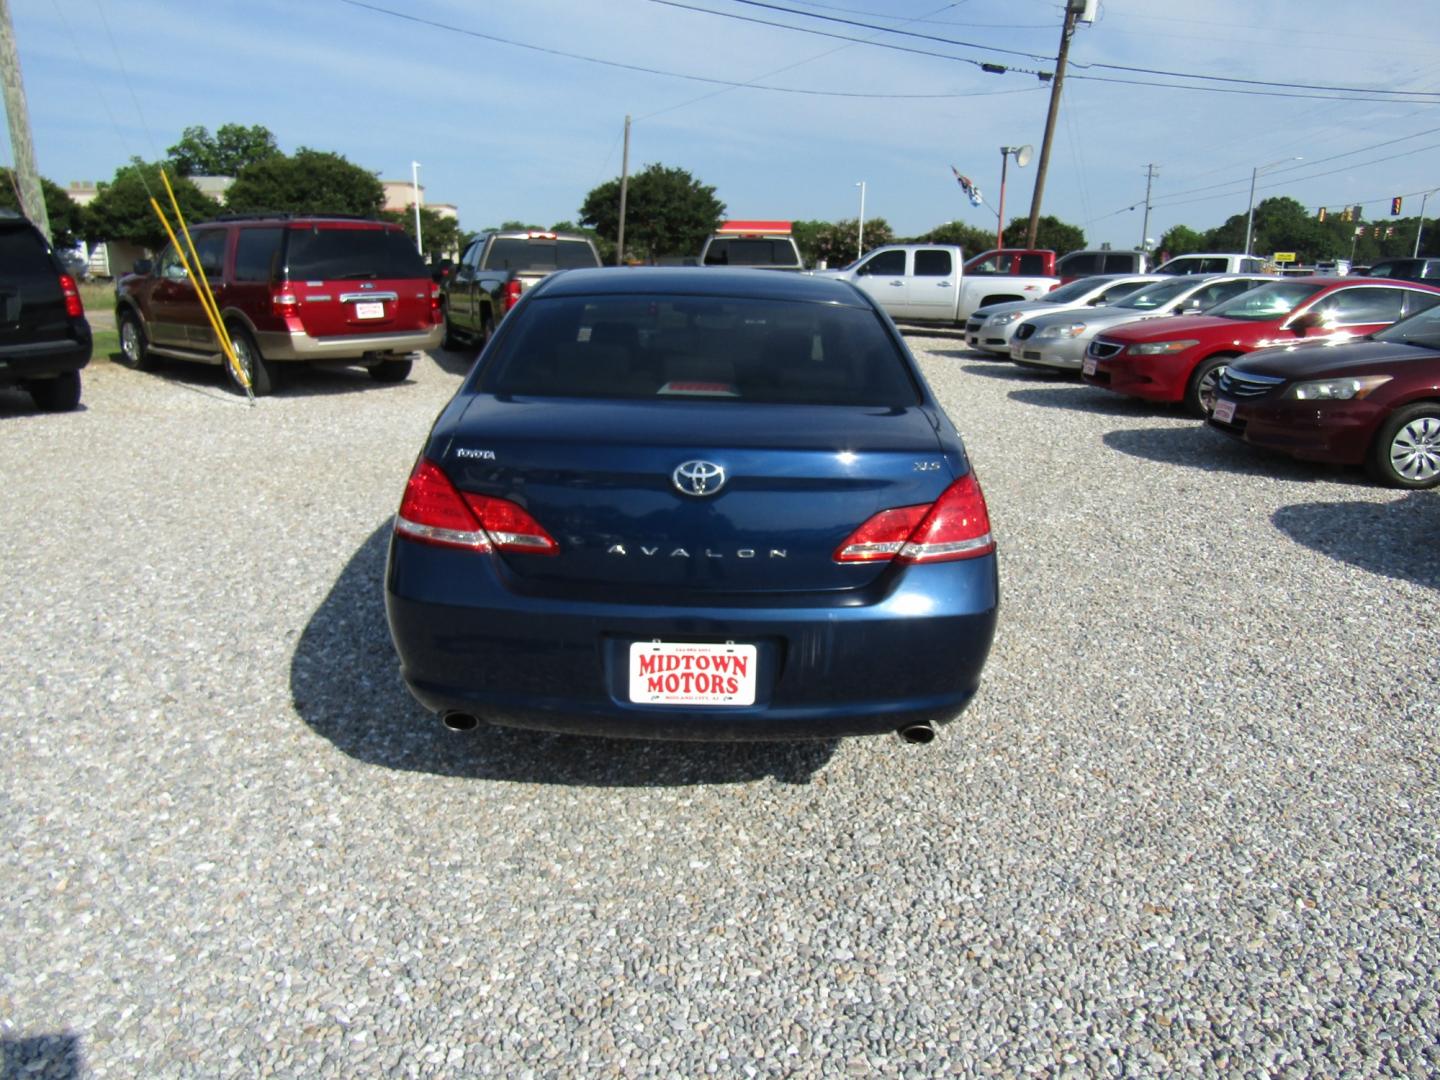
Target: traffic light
(1321,215)
(1348,214)
(1395,206)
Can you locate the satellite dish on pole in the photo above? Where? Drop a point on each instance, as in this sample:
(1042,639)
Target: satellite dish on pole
(1024,154)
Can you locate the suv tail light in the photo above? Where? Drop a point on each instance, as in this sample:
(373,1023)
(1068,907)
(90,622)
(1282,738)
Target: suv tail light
(286,304)
(434,511)
(511,296)
(73,305)
(436,314)
(954,526)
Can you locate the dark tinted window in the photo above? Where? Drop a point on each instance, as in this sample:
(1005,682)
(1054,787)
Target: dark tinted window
(932,263)
(734,251)
(1083,262)
(1122,262)
(24,258)
(1032,265)
(343,254)
(256,254)
(210,247)
(887,262)
(688,348)
(524,253)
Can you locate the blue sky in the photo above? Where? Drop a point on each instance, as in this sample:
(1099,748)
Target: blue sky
(505,132)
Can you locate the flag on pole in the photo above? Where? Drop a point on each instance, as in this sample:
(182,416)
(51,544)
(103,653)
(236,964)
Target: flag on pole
(968,186)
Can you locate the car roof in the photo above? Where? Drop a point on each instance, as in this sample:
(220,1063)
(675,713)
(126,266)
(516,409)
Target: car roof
(700,281)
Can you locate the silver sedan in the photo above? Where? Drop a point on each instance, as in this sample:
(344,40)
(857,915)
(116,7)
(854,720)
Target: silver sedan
(991,327)
(1059,340)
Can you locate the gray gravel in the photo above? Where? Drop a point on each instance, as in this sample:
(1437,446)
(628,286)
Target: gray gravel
(1189,826)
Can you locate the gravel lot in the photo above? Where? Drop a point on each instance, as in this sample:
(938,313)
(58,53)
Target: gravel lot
(1188,827)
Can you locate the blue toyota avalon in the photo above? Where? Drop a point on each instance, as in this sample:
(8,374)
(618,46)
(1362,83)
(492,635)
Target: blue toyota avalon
(694,504)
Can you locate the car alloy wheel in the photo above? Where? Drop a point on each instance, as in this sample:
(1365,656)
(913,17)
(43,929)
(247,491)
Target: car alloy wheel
(1415,451)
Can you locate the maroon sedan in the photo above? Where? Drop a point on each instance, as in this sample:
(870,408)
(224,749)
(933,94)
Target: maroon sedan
(1374,402)
(1180,359)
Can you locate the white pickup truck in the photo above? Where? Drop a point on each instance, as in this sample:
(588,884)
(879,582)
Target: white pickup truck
(929,283)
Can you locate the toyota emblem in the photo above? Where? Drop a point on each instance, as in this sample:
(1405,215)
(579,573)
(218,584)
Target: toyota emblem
(698,478)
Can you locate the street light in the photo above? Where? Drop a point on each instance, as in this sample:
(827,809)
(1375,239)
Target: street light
(860,238)
(415,187)
(1022,158)
(1420,226)
(1250,214)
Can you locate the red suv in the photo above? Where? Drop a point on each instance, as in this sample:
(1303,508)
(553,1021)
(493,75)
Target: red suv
(1182,359)
(290,289)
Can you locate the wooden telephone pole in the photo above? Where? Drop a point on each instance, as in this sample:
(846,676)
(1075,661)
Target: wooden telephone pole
(1074,9)
(32,199)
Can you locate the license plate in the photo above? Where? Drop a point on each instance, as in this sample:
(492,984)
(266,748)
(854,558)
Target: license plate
(370,309)
(1089,366)
(1224,411)
(687,673)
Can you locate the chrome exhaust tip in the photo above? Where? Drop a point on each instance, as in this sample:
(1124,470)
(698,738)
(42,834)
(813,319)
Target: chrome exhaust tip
(917,734)
(460,721)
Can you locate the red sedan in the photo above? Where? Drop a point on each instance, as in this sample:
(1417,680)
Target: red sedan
(1375,402)
(1181,359)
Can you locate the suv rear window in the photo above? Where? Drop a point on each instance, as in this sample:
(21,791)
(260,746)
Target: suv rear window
(729,251)
(319,253)
(716,349)
(24,258)
(525,253)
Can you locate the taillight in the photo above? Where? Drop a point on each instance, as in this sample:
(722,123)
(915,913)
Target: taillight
(73,306)
(286,304)
(954,526)
(510,296)
(434,511)
(436,315)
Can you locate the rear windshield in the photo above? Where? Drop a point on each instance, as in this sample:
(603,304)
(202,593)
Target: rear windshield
(525,253)
(340,254)
(1267,302)
(732,251)
(687,348)
(24,259)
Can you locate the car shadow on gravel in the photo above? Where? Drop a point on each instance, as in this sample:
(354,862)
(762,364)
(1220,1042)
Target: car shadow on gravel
(296,380)
(455,361)
(1083,398)
(1002,370)
(50,1057)
(345,682)
(14,402)
(1201,447)
(1384,538)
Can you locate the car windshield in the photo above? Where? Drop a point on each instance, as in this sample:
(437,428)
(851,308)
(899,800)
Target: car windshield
(1149,297)
(1266,302)
(1076,290)
(341,253)
(719,350)
(1421,329)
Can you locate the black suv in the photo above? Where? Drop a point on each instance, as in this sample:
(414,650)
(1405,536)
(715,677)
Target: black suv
(44,338)
(1426,270)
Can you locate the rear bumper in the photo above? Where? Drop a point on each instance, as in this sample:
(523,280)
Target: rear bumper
(351,348)
(45,359)
(468,643)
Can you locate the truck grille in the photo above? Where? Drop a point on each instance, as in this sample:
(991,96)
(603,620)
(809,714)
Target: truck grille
(1102,349)
(1238,385)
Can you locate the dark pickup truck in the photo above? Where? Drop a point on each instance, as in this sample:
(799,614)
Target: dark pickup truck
(493,273)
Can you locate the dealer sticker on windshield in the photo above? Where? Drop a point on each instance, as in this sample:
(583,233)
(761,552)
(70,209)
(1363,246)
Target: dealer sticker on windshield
(693,674)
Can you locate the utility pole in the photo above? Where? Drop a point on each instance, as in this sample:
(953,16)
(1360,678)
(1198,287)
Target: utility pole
(32,199)
(1073,9)
(1145,228)
(624,192)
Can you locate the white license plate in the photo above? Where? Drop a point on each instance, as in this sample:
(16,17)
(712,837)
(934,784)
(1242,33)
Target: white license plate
(687,673)
(370,309)
(1089,366)
(1224,411)
(1015,350)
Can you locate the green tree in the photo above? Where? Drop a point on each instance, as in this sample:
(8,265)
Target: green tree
(229,150)
(308,182)
(67,217)
(1283,224)
(440,233)
(1181,240)
(835,241)
(121,210)
(1050,233)
(667,212)
(972,241)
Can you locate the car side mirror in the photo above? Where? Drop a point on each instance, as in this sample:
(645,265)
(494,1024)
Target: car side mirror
(1303,323)
(143,266)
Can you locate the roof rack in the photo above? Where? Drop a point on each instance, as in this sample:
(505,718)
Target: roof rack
(287,215)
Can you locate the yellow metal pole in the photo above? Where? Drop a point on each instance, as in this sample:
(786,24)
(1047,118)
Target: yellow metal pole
(207,297)
(240,372)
